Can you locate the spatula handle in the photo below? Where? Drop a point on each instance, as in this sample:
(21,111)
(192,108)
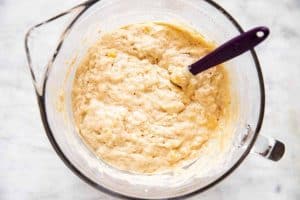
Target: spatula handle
(233,48)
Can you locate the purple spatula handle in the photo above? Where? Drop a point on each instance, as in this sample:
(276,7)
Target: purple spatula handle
(233,48)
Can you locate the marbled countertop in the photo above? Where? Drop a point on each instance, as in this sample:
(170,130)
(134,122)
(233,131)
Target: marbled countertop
(30,169)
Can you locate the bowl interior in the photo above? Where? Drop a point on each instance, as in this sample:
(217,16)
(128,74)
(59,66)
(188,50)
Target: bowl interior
(105,15)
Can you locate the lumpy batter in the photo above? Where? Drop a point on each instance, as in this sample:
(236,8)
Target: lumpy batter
(136,107)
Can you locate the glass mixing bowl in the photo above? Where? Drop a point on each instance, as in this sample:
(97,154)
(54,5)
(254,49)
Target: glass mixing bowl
(79,27)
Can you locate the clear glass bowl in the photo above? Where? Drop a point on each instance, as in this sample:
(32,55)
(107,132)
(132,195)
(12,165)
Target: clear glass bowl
(78,28)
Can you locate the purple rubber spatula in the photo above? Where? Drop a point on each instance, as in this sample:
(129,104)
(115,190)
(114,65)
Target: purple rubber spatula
(233,48)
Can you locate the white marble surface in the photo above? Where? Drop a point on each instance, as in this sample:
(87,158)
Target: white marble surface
(29,168)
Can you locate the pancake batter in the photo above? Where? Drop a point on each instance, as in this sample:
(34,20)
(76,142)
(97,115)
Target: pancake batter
(136,107)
